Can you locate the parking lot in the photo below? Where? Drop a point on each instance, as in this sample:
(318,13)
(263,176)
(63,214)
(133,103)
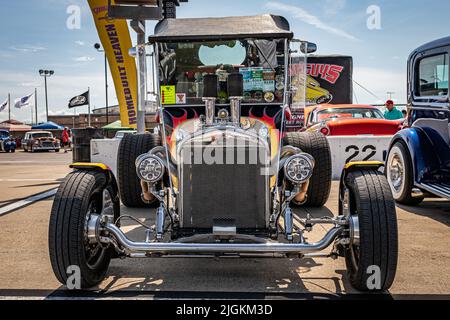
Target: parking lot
(25,269)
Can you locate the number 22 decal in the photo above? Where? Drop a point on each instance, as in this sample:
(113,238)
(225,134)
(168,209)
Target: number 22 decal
(355,152)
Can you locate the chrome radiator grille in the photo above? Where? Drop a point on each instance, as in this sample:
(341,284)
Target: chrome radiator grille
(220,191)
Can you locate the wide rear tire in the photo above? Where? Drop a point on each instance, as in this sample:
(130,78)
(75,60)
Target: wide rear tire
(78,197)
(315,144)
(372,261)
(131,147)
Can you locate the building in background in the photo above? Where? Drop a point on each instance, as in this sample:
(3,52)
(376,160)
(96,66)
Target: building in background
(98,118)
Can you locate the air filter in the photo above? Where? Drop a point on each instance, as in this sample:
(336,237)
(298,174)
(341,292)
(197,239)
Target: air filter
(235,85)
(210,86)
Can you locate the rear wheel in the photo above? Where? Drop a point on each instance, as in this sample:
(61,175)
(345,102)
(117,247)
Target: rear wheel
(371,256)
(131,147)
(83,196)
(316,144)
(399,173)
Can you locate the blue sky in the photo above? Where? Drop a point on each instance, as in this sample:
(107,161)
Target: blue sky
(34,36)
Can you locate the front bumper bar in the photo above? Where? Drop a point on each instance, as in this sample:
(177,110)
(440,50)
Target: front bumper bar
(221,248)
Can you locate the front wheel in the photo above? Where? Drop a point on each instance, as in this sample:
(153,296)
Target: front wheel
(315,144)
(399,173)
(83,195)
(371,256)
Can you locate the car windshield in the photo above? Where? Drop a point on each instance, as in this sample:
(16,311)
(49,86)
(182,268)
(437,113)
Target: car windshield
(183,65)
(42,135)
(4,134)
(355,113)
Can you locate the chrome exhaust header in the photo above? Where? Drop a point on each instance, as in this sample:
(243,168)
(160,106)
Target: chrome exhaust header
(235,106)
(236,93)
(210,87)
(131,247)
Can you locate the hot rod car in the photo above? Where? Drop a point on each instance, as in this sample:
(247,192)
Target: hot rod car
(349,119)
(221,171)
(418,164)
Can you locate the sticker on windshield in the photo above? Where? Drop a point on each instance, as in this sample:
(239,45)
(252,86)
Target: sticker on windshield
(168,95)
(181,98)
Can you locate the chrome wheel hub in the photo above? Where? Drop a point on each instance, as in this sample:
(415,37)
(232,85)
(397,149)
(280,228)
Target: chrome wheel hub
(354,231)
(396,172)
(94,250)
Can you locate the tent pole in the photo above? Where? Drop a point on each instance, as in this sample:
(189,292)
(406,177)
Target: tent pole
(35,106)
(9,106)
(74,115)
(89,107)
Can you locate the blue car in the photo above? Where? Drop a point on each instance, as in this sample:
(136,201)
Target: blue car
(418,162)
(7,144)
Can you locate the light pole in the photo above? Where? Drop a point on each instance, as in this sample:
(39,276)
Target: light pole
(97,46)
(45,74)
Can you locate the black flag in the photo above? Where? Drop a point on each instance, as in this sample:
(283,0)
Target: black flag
(80,100)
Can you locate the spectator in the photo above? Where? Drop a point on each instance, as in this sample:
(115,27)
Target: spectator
(65,139)
(392,113)
(70,139)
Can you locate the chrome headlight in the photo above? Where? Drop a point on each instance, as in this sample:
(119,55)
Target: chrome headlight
(299,168)
(264,132)
(149,168)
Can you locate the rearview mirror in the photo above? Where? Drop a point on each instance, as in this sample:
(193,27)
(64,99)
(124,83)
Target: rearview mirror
(308,47)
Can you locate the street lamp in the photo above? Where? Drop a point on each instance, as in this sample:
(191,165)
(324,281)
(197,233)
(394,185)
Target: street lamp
(46,74)
(97,46)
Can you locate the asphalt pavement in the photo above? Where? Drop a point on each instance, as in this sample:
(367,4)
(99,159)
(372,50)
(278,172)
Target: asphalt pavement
(25,270)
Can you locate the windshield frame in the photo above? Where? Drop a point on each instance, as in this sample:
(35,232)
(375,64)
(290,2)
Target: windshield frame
(157,81)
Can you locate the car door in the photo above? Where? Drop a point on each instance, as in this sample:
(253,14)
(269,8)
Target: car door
(25,141)
(30,141)
(429,89)
(430,101)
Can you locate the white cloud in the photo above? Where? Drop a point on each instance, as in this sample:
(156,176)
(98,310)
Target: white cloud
(379,82)
(308,18)
(83,59)
(332,7)
(27,48)
(29,84)
(61,88)
(80,43)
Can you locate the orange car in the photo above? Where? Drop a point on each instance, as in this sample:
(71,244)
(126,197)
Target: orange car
(349,120)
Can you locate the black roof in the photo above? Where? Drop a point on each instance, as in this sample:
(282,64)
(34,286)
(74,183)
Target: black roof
(209,29)
(442,42)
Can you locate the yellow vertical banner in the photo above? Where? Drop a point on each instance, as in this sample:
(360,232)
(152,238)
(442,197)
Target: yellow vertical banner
(115,38)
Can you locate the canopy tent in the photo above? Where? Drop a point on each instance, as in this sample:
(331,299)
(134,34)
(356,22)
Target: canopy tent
(14,126)
(48,126)
(117,125)
(230,28)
